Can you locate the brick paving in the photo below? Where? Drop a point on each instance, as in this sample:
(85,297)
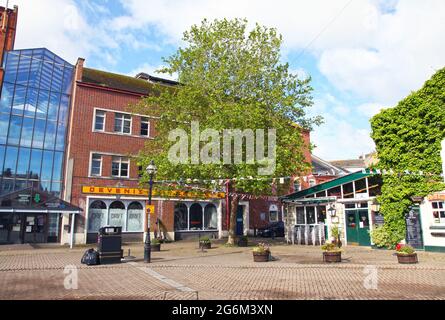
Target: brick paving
(182,271)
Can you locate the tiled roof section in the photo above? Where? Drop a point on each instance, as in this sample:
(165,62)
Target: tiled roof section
(116,81)
(356,163)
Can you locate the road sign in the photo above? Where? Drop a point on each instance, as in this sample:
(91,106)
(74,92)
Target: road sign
(149,209)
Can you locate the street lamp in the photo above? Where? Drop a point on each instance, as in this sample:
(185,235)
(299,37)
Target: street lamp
(151,171)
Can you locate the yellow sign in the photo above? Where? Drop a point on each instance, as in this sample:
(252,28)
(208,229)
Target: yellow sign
(162,193)
(149,209)
(437,197)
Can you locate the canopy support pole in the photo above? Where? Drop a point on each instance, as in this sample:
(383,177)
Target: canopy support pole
(73,220)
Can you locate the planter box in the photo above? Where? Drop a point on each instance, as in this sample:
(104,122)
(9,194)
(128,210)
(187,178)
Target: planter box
(205,245)
(156,247)
(243,243)
(261,257)
(407,258)
(332,257)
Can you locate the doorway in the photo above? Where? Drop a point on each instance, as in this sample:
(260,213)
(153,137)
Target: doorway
(34,228)
(357,222)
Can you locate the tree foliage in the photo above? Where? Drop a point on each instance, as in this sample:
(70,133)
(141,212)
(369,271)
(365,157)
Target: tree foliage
(408,137)
(231,78)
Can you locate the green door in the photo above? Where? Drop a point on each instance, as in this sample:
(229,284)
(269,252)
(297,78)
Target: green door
(358,227)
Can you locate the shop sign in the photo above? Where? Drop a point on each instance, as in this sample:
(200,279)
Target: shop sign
(144,192)
(437,197)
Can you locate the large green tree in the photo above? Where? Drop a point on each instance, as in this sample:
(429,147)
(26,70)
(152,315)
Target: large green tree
(408,138)
(230,78)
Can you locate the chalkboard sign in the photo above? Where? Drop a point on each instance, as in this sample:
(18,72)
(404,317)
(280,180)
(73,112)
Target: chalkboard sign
(413,229)
(379,220)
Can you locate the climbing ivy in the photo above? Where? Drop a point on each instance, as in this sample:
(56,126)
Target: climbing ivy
(408,137)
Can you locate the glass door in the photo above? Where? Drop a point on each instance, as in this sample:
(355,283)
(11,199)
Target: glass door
(35,228)
(5,227)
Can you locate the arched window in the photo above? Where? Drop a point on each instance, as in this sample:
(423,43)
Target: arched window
(135,216)
(117,214)
(97,216)
(210,217)
(181,217)
(273,213)
(196,217)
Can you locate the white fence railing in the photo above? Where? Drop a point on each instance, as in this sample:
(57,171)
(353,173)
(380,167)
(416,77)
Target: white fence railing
(307,234)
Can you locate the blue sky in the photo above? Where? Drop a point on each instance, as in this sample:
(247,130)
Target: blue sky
(363,55)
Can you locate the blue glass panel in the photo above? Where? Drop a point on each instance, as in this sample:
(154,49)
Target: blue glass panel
(36,163)
(67,80)
(42,104)
(21,185)
(15,128)
(27,131)
(7,186)
(47,165)
(38,54)
(11,67)
(63,111)
(46,75)
(50,136)
(48,56)
(4,126)
(56,189)
(23,70)
(45,186)
(31,102)
(39,133)
(57,78)
(36,70)
(57,171)
(54,103)
(60,140)
(18,104)
(10,161)
(7,96)
(2,158)
(23,163)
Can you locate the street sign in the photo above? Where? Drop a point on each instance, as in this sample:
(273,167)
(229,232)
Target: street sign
(149,209)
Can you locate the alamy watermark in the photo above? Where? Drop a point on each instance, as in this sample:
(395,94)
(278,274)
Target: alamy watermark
(371,280)
(188,150)
(71,280)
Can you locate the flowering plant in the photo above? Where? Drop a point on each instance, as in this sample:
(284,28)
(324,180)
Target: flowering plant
(330,247)
(404,249)
(261,248)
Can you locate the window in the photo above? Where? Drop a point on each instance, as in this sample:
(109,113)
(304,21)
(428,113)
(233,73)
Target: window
(122,123)
(300,215)
(439,211)
(181,217)
(273,213)
(210,217)
(97,216)
(120,167)
(135,217)
(145,127)
(96,165)
(297,185)
(312,183)
(196,217)
(117,214)
(310,215)
(99,121)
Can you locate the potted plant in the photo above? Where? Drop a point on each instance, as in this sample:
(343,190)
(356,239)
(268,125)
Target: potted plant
(243,241)
(155,245)
(335,233)
(261,253)
(205,243)
(331,252)
(406,254)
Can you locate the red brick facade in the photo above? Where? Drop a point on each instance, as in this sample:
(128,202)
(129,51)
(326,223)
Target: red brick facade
(8,27)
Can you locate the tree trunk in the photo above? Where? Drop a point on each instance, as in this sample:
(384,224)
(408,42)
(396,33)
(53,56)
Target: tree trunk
(234,202)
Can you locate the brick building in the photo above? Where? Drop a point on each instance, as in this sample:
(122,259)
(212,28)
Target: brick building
(67,143)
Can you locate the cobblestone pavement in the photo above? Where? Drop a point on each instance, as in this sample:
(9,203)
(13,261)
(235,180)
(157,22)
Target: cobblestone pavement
(182,271)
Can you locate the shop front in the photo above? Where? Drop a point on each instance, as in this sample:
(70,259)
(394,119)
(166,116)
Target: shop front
(432,221)
(32,216)
(345,204)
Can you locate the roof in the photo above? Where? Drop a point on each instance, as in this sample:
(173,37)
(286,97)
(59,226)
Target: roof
(116,81)
(327,185)
(353,163)
(323,167)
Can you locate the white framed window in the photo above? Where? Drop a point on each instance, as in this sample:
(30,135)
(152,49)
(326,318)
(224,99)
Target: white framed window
(439,211)
(145,127)
(122,123)
(273,213)
(297,185)
(120,167)
(99,120)
(96,165)
(312,183)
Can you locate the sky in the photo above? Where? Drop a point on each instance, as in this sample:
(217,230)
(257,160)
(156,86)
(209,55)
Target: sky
(363,55)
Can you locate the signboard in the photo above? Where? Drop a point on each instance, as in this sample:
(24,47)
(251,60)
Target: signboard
(149,209)
(413,229)
(437,197)
(379,219)
(144,192)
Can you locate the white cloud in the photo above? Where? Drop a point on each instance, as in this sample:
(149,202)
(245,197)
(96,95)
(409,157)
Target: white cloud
(370,109)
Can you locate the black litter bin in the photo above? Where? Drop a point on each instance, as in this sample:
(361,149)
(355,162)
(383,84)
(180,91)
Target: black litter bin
(109,245)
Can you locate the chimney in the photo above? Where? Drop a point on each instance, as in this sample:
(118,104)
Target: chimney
(79,69)
(442,153)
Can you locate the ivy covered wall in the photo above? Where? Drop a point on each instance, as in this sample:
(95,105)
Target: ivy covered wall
(408,137)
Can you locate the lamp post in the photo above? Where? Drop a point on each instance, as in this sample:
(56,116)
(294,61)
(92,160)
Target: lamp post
(151,171)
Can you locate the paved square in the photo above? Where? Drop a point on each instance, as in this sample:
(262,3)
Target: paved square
(182,271)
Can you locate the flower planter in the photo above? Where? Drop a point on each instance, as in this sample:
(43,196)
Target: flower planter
(205,245)
(332,257)
(243,243)
(261,257)
(407,258)
(156,247)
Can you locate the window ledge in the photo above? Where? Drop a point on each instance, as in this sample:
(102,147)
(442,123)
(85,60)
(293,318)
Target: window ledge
(124,134)
(442,227)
